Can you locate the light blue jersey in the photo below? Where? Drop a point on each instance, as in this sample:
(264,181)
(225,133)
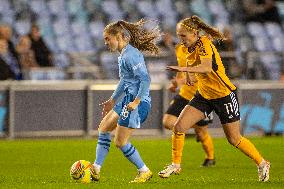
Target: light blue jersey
(134,77)
(134,82)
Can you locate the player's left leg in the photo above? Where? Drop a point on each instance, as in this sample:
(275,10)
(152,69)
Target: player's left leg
(204,137)
(232,131)
(227,108)
(122,135)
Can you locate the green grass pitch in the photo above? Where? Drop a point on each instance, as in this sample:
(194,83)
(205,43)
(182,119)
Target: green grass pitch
(45,164)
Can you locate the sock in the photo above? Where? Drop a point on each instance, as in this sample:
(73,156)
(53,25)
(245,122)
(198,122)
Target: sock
(98,167)
(103,145)
(176,165)
(143,169)
(132,154)
(249,149)
(207,145)
(177,147)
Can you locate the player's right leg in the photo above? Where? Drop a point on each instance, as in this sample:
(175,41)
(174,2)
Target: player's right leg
(178,138)
(169,119)
(177,147)
(107,125)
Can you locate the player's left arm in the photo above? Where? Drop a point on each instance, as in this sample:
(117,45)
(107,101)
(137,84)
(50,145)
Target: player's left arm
(205,54)
(140,72)
(204,67)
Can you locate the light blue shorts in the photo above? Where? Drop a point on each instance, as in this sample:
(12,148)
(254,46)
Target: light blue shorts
(134,118)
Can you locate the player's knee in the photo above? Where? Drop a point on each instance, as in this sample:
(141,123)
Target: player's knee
(119,143)
(167,124)
(178,128)
(233,140)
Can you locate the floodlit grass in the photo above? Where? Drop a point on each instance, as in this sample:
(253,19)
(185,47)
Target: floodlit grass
(45,164)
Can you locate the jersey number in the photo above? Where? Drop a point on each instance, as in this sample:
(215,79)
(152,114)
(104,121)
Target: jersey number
(230,108)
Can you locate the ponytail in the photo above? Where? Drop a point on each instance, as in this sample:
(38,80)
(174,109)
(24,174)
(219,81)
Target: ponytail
(139,37)
(196,23)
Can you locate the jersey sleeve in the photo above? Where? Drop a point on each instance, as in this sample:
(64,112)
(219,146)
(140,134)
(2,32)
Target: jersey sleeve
(118,91)
(205,50)
(138,68)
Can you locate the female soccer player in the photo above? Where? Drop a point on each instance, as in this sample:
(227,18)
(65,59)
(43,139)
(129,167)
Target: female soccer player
(186,93)
(130,112)
(215,90)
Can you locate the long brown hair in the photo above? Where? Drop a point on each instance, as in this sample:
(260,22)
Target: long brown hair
(196,23)
(139,37)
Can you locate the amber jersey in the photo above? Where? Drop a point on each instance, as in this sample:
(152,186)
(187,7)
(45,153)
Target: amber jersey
(186,91)
(216,83)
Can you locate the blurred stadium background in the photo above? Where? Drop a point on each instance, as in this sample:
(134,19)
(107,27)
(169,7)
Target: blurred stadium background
(61,98)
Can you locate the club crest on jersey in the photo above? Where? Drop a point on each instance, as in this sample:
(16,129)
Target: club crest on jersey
(202,51)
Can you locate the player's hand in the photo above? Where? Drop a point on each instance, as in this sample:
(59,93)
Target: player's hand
(190,79)
(173,86)
(132,105)
(177,68)
(107,106)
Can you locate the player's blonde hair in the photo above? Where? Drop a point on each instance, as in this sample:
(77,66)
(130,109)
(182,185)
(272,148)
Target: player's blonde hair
(196,23)
(139,37)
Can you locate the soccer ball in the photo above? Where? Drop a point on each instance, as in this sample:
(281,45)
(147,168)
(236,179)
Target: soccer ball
(81,171)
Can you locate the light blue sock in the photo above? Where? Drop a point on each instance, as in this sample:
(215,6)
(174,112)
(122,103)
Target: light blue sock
(132,155)
(103,145)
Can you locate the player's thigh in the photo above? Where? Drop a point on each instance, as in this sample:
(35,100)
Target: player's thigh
(173,111)
(188,118)
(232,132)
(169,121)
(122,135)
(109,122)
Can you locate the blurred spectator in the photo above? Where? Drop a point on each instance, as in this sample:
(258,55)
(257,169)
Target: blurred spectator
(167,43)
(6,34)
(42,54)
(8,63)
(261,11)
(227,51)
(26,55)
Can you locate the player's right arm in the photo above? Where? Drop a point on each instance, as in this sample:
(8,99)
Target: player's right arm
(108,105)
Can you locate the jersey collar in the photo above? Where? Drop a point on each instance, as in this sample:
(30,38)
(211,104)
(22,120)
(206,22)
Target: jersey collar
(123,50)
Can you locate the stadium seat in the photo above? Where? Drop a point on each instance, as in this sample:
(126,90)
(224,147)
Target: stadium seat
(273,29)
(262,43)
(57,7)
(38,6)
(271,61)
(200,7)
(96,29)
(256,29)
(111,8)
(77,25)
(61,60)
(61,27)
(22,27)
(148,9)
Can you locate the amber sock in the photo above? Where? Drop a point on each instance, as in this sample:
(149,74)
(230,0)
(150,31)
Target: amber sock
(177,147)
(249,149)
(208,147)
